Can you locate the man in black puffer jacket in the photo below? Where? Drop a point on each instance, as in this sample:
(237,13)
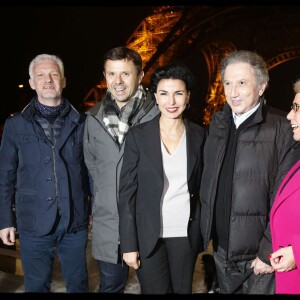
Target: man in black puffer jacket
(246,144)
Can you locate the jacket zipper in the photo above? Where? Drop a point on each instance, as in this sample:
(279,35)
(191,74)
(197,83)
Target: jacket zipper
(45,139)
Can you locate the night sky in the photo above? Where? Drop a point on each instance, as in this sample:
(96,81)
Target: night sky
(80,35)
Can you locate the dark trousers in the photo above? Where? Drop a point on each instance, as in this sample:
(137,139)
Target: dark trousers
(38,252)
(239,278)
(169,269)
(113,277)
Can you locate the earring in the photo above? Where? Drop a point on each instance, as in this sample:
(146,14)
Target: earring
(188,105)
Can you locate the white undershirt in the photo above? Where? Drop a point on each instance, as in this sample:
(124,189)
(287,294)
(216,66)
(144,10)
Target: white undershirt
(175,201)
(238,120)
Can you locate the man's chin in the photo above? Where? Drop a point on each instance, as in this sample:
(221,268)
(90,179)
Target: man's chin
(238,112)
(122,100)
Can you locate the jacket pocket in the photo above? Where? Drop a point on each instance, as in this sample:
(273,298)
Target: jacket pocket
(25,211)
(29,149)
(73,151)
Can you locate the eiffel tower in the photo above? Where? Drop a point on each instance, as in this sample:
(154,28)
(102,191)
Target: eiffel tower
(207,33)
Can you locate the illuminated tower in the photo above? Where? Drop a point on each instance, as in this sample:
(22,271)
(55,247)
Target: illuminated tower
(177,32)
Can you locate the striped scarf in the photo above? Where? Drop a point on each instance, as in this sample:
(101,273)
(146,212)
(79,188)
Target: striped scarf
(116,126)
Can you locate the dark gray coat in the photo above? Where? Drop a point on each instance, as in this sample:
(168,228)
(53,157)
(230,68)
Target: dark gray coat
(104,158)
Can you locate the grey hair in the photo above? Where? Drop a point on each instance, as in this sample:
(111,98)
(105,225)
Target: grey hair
(296,86)
(42,57)
(253,59)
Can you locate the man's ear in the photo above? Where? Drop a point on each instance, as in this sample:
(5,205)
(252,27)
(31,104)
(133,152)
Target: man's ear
(31,83)
(262,89)
(141,76)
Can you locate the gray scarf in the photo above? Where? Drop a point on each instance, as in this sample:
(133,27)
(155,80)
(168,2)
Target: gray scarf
(116,126)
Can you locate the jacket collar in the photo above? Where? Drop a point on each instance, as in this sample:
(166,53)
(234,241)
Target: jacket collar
(29,111)
(153,144)
(258,115)
(292,184)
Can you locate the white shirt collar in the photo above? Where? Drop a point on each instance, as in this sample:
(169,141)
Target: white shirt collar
(238,120)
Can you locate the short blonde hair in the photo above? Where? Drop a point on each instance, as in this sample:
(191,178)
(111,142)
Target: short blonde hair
(297,86)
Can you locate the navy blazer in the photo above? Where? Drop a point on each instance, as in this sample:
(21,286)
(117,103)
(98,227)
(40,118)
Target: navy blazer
(142,182)
(37,176)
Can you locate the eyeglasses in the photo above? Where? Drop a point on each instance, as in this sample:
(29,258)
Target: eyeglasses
(295,107)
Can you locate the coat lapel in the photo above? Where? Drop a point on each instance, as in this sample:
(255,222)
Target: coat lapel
(193,144)
(153,145)
(290,186)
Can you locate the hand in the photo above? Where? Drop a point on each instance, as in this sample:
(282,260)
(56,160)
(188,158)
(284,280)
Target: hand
(260,267)
(8,236)
(90,227)
(90,222)
(132,259)
(283,260)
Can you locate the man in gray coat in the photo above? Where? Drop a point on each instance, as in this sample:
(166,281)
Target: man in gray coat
(125,104)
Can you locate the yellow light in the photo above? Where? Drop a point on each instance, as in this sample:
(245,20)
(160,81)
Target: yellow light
(20,86)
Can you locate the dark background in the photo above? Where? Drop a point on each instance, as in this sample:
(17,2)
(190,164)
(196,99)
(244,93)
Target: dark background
(80,34)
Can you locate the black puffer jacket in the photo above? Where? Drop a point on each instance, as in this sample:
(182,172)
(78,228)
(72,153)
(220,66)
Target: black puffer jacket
(261,148)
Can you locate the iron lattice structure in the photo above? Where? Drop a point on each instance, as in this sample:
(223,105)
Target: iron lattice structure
(179,32)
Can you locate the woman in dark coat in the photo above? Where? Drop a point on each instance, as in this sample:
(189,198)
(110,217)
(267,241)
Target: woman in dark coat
(159,203)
